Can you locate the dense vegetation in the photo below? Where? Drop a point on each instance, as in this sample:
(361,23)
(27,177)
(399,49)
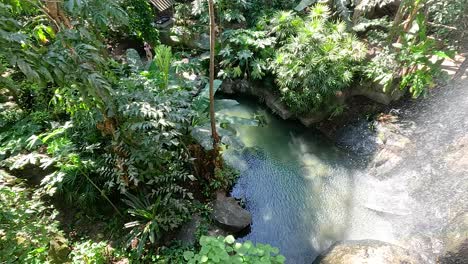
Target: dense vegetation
(117,137)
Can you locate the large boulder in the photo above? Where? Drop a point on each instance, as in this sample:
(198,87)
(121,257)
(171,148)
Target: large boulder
(229,215)
(367,252)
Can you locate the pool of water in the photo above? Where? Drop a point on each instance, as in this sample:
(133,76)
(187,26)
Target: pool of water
(299,188)
(304,193)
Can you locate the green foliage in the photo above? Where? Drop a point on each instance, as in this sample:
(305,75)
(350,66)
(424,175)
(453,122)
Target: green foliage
(90,252)
(174,253)
(317,63)
(103,15)
(244,53)
(285,24)
(152,218)
(413,59)
(13,138)
(161,64)
(134,60)
(382,69)
(448,18)
(223,179)
(26,224)
(66,61)
(141,20)
(226,250)
(227,11)
(417,53)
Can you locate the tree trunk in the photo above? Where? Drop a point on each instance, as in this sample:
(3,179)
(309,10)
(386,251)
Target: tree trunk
(55,12)
(214,133)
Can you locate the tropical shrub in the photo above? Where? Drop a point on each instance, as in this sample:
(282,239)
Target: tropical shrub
(317,63)
(28,225)
(227,11)
(285,24)
(416,57)
(75,150)
(227,250)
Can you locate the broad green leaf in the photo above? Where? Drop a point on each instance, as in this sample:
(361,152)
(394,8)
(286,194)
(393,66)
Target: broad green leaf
(442,55)
(230,239)
(188,255)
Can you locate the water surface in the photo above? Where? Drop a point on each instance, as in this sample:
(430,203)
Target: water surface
(304,193)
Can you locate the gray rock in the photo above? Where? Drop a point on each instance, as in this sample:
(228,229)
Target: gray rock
(229,215)
(187,233)
(456,241)
(272,100)
(375,92)
(29,166)
(367,252)
(374,9)
(216,231)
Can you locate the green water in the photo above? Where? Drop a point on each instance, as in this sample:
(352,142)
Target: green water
(304,193)
(295,183)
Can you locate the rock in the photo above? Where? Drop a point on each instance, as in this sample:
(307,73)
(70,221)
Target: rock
(187,233)
(58,250)
(229,215)
(378,9)
(29,166)
(457,256)
(456,241)
(358,138)
(367,252)
(216,231)
(371,90)
(272,100)
(186,39)
(375,92)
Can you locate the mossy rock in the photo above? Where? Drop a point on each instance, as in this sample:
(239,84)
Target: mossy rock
(58,250)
